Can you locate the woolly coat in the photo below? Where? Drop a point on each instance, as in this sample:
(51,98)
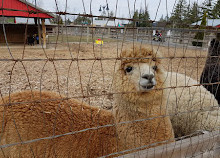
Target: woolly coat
(141,117)
(47,114)
(211,71)
(141,122)
(191,107)
(35,117)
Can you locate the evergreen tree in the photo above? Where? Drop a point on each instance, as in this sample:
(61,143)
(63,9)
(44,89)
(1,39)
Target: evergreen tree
(193,14)
(144,15)
(57,20)
(135,18)
(141,18)
(204,20)
(82,20)
(162,19)
(216,10)
(200,35)
(207,6)
(68,21)
(178,15)
(111,14)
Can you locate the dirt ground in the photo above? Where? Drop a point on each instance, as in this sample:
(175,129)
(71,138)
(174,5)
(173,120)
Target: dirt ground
(85,77)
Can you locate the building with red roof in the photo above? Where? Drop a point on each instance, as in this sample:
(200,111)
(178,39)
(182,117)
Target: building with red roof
(18,33)
(213,23)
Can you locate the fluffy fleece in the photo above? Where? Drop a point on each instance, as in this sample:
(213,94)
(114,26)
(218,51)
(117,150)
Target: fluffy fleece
(211,71)
(45,114)
(191,106)
(136,99)
(41,115)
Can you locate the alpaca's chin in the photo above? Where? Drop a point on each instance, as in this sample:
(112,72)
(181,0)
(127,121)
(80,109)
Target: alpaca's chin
(147,88)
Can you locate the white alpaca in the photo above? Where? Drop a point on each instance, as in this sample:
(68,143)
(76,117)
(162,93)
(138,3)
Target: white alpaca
(191,106)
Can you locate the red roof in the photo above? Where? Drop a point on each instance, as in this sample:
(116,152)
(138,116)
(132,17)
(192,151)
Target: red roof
(24,8)
(218,26)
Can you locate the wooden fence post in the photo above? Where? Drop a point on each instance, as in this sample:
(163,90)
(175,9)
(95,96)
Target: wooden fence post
(62,32)
(109,32)
(87,34)
(137,35)
(44,32)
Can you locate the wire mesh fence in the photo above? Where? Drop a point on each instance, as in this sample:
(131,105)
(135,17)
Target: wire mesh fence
(72,90)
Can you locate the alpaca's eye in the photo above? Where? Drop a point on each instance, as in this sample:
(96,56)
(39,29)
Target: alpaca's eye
(129,69)
(155,67)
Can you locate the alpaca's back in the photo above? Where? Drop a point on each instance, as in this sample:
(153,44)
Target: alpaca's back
(191,106)
(211,72)
(50,117)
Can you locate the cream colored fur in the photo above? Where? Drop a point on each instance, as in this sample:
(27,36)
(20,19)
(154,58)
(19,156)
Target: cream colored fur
(192,107)
(140,113)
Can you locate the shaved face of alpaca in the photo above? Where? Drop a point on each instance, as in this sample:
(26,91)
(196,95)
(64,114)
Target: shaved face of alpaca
(141,76)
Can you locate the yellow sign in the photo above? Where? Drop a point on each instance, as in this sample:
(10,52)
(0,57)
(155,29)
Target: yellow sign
(98,41)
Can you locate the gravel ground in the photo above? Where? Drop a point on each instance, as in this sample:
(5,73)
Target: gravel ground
(83,77)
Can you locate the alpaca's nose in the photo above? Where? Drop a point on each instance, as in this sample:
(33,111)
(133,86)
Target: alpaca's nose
(148,76)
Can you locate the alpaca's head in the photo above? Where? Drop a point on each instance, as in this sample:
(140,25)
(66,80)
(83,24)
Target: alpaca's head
(139,72)
(214,48)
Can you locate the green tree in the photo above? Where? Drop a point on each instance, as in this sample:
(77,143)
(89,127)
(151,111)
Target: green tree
(204,21)
(193,14)
(111,14)
(144,15)
(178,15)
(68,21)
(135,18)
(162,19)
(80,20)
(216,10)
(57,20)
(200,35)
(141,18)
(207,6)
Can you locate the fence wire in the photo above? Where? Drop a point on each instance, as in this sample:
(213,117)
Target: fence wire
(58,98)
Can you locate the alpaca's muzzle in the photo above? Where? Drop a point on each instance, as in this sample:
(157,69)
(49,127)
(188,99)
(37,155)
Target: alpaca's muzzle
(147,82)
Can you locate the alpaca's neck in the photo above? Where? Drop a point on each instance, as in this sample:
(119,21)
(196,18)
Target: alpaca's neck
(141,123)
(125,110)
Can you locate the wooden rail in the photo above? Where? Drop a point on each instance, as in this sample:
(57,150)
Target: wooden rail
(179,36)
(202,146)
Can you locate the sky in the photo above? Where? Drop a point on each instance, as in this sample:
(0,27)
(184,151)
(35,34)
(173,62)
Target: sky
(156,8)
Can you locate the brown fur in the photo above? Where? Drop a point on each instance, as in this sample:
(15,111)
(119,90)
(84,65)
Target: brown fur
(47,114)
(132,105)
(34,119)
(140,55)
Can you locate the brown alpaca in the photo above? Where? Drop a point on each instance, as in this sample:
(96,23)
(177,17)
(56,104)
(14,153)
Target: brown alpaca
(139,96)
(46,114)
